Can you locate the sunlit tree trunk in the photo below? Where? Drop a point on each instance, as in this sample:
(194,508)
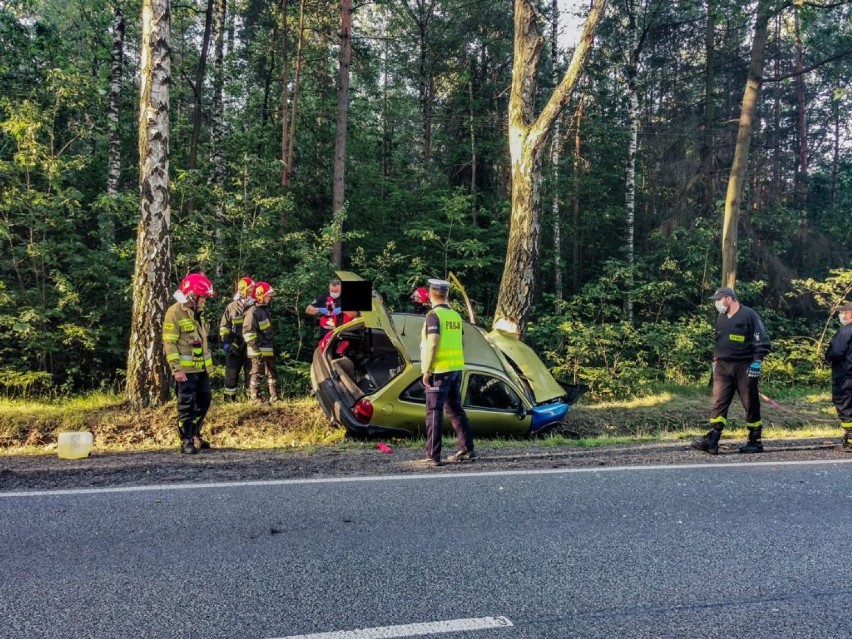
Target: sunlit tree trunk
(339,184)
(527,136)
(148,379)
(733,199)
(631,71)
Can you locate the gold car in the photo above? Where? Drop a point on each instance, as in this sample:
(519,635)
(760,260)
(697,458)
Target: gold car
(367,379)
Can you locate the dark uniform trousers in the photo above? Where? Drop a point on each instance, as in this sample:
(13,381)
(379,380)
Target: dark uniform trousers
(193,401)
(236,360)
(729,377)
(445,395)
(841,395)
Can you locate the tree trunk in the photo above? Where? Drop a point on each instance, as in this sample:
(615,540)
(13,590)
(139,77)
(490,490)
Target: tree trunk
(217,128)
(217,132)
(198,89)
(835,160)
(554,157)
(473,159)
(526,140)
(291,147)
(148,378)
(114,172)
(339,185)
(575,212)
(708,157)
(285,91)
(733,199)
(801,119)
(631,72)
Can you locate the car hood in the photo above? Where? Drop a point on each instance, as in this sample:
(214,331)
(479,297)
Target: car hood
(528,365)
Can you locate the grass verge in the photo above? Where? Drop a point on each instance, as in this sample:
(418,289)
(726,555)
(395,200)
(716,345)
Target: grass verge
(667,414)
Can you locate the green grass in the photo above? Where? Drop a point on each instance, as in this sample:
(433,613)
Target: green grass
(664,414)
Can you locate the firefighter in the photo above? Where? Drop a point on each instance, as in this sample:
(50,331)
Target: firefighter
(231,333)
(327,309)
(839,355)
(260,343)
(420,301)
(741,345)
(185,345)
(442,364)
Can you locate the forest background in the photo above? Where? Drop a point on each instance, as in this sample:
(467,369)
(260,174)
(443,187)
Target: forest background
(631,234)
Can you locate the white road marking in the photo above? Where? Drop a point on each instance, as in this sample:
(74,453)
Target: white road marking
(416,476)
(413,629)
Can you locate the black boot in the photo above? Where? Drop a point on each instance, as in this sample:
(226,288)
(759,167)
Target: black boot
(847,440)
(200,443)
(187,447)
(709,443)
(754,445)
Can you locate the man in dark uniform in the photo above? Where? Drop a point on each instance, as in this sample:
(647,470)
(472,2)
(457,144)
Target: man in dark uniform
(839,354)
(442,363)
(327,309)
(741,345)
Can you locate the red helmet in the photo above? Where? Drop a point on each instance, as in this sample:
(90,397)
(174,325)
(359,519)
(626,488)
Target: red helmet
(421,295)
(245,286)
(262,292)
(197,285)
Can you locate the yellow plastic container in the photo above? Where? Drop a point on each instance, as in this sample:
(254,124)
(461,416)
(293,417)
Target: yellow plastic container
(75,445)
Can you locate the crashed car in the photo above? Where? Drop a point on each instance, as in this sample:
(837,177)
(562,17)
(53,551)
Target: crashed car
(367,379)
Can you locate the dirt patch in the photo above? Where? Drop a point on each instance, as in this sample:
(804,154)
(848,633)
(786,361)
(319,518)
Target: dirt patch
(216,465)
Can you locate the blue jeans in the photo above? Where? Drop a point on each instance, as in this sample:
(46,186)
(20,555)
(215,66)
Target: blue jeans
(445,395)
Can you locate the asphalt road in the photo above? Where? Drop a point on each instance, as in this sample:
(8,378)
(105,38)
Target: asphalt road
(733,551)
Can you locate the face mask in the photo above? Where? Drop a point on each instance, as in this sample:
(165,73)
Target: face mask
(721,306)
(843,318)
(334,296)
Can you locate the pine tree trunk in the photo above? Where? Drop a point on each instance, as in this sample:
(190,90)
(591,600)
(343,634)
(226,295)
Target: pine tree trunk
(291,147)
(835,160)
(801,117)
(575,212)
(527,136)
(733,199)
(217,125)
(339,184)
(632,144)
(708,158)
(148,378)
(199,86)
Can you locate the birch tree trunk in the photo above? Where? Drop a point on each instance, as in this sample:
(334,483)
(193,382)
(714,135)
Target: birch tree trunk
(114,172)
(632,72)
(285,90)
(148,378)
(733,198)
(527,136)
(554,157)
(339,184)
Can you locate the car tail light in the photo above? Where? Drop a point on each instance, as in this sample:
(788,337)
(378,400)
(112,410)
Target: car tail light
(363,410)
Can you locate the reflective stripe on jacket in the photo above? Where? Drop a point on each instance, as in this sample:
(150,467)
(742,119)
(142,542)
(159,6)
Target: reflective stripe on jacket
(257,332)
(185,340)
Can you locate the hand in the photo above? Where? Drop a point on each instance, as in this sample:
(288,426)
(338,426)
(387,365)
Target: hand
(180,377)
(322,310)
(427,380)
(226,347)
(337,311)
(754,370)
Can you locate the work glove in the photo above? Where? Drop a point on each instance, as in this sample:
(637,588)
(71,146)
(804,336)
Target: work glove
(322,310)
(754,370)
(337,311)
(226,347)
